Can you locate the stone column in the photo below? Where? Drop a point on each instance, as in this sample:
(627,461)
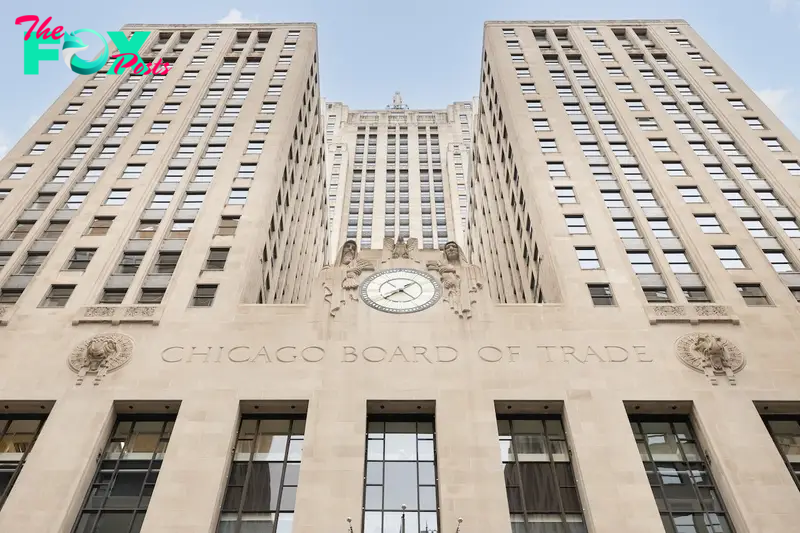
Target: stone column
(613,485)
(332,469)
(471,484)
(755,484)
(192,480)
(60,466)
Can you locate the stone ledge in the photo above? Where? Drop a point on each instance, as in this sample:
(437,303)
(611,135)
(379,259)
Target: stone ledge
(118,314)
(690,313)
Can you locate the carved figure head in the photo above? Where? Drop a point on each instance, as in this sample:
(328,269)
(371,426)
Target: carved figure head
(452,251)
(349,251)
(98,351)
(713,349)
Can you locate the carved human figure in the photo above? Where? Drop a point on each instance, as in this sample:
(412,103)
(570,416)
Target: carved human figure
(715,359)
(340,282)
(460,279)
(100,354)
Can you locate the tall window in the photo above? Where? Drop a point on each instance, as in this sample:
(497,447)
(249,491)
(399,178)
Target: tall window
(400,471)
(262,486)
(17,435)
(785,431)
(540,485)
(126,475)
(682,484)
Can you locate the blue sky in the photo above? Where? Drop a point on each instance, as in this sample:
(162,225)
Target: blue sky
(429,50)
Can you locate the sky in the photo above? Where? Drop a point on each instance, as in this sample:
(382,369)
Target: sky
(429,50)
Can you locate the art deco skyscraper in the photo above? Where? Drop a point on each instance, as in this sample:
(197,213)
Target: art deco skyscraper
(608,152)
(203,185)
(398,172)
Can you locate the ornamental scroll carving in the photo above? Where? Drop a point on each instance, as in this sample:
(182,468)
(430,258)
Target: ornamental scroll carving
(100,355)
(460,279)
(710,354)
(340,282)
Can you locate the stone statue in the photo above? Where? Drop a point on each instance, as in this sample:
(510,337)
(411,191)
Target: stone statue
(99,355)
(711,355)
(461,280)
(401,249)
(397,102)
(340,282)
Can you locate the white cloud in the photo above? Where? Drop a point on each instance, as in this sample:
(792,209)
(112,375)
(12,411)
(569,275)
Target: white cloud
(785,103)
(235,16)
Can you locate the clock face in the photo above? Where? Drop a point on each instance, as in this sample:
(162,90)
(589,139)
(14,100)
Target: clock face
(400,290)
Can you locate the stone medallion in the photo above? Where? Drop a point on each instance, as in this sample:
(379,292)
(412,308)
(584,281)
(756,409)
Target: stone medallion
(710,354)
(100,354)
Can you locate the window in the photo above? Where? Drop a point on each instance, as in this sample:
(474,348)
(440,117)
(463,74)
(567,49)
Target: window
(660,145)
(576,225)
(99,226)
(160,200)
(626,229)
(254,147)
(648,124)
(152,296)
(132,171)
(72,109)
(238,197)
(566,195)
(739,105)
(19,172)
(753,294)
(180,229)
(754,123)
(216,259)
(18,433)
(548,145)
(75,201)
(656,295)
(32,262)
(789,225)
(601,294)
(400,471)
(169,109)
(679,478)
(56,127)
(779,261)
(641,262)
(214,151)
(146,148)
(38,148)
(223,130)
(123,475)
(80,259)
(57,296)
(536,461)
(774,145)
(722,87)
(129,263)
(691,195)
(541,124)
(227,225)
(117,197)
(193,200)
(674,168)
(556,170)
(166,262)
(729,256)
(678,262)
(709,224)
(113,296)
(246,171)
(146,229)
(793,167)
(10,296)
(587,258)
(204,295)
(636,105)
(204,174)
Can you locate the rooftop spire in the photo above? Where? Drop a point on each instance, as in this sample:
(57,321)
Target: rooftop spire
(397,102)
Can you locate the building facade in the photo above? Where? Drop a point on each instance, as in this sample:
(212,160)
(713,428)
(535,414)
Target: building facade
(404,388)
(398,172)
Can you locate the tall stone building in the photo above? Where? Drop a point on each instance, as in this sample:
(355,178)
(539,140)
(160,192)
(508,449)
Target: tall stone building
(398,172)
(617,354)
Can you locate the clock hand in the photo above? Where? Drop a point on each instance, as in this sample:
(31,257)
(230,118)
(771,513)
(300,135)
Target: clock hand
(401,289)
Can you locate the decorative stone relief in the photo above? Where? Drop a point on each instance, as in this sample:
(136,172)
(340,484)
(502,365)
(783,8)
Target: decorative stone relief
(460,279)
(340,282)
(710,354)
(401,249)
(711,310)
(140,311)
(99,355)
(99,311)
(669,310)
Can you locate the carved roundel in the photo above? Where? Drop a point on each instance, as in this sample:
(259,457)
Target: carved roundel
(106,351)
(708,353)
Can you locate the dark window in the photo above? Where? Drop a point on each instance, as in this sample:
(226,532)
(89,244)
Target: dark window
(20,231)
(10,296)
(228,225)
(57,296)
(785,431)
(752,294)
(696,294)
(113,296)
(99,226)
(166,262)
(17,436)
(54,231)
(601,294)
(216,259)
(679,477)
(204,295)
(120,493)
(659,295)
(262,485)
(80,259)
(129,263)
(32,263)
(540,484)
(400,471)
(151,296)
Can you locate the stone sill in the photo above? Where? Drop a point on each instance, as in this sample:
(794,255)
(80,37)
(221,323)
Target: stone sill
(690,314)
(118,314)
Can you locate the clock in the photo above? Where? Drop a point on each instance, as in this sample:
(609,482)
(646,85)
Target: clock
(400,290)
